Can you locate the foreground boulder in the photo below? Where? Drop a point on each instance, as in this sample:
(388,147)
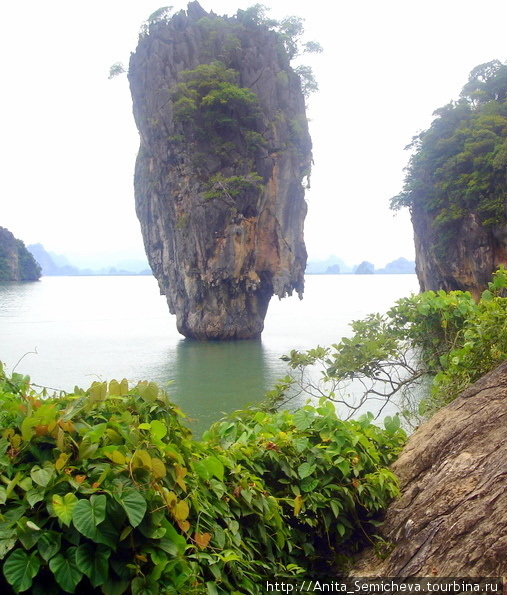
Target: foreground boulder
(219,175)
(451,519)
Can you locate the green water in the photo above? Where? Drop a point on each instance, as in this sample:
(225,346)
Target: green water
(88,328)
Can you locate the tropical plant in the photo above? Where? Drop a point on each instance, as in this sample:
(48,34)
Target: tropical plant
(116,69)
(105,491)
(427,347)
(458,165)
(209,98)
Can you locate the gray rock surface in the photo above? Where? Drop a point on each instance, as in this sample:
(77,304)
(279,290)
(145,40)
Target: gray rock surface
(451,520)
(219,261)
(469,261)
(16,262)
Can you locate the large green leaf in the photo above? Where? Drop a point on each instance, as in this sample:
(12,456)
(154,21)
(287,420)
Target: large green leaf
(20,569)
(149,391)
(42,476)
(300,444)
(114,388)
(6,546)
(114,586)
(308,484)
(94,562)
(134,504)
(34,496)
(305,470)
(87,448)
(107,534)
(49,544)
(28,533)
(158,429)
(88,514)
(64,507)
(173,542)
(143,586)
(209,467)
(65,570)
(303,419)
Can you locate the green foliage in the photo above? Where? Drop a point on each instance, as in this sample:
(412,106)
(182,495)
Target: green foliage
(217,110)
(105,491)
(116,69)
(161,14)
(228,189)
(433,344)
(209,97)
(309,83)
(16,262)
(459,163)
(290,32)
(256,15)
(29,268)
(221,38)
(328,476)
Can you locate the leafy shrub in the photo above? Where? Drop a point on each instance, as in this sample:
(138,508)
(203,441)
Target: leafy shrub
(105,491)
(441,340)
(329,476)
(209,97)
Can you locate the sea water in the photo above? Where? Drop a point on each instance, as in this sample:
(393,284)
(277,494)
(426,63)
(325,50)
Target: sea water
(67,331)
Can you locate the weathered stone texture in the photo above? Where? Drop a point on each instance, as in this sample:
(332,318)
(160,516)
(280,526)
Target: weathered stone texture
(220,263)
(469,260)
(451,519)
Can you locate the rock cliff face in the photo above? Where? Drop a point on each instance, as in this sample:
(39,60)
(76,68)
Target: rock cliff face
(450,520)
(16,263)
(469,260)
(219,175)
(456,186)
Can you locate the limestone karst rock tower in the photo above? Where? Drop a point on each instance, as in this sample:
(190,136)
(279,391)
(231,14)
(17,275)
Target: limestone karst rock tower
(219,178)
(456,187)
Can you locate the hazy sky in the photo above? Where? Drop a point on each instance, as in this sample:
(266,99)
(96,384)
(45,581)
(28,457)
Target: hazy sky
(69,138)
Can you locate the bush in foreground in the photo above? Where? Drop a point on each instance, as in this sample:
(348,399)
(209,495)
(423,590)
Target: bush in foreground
(104,490)
(420,354)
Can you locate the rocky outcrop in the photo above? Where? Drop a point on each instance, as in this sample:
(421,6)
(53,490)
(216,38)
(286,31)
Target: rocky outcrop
(450,520)
(16,262)
(470,259)
(219,175)
(365,268)
(456,186)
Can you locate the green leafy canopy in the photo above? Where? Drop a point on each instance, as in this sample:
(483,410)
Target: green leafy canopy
(105,491)
(458,164)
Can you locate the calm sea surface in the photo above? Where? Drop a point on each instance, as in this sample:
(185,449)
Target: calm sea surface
(98,328)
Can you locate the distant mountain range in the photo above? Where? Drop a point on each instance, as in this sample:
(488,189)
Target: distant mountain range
(58,265)
(336,266)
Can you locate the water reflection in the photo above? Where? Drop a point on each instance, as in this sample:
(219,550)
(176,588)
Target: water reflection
(210,377)
(88,328)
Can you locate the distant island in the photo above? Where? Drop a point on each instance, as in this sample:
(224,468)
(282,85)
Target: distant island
(16,262)
(57,265)
(336,266)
